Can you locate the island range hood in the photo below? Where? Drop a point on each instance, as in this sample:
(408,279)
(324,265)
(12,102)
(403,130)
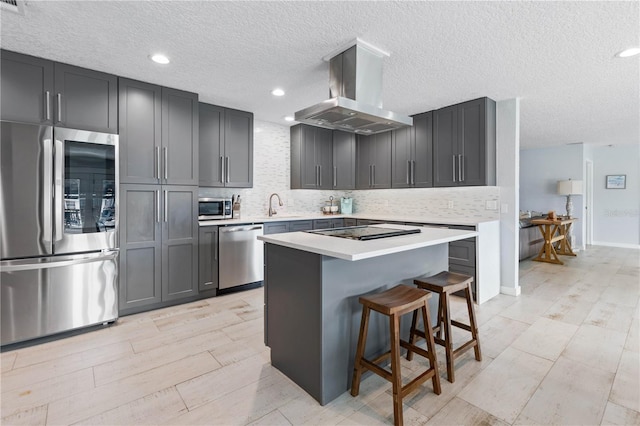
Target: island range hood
(355,90)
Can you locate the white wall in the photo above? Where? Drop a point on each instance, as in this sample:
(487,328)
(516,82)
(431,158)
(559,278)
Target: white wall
(616,212)
(271,173)
(540,170)
(508,152)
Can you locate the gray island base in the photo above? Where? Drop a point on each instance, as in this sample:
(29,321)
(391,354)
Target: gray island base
(312,313)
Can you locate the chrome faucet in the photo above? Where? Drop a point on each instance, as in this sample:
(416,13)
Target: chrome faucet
(273,211)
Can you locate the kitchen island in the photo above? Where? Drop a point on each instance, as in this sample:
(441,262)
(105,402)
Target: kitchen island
(312,286)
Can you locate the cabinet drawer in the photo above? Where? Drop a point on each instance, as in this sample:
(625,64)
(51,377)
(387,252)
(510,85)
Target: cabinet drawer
(462,253)
(350,222)
(301,225)
(471,271)
(276,228)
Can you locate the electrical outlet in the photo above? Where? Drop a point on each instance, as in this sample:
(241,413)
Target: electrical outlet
(491,205)
(450,204)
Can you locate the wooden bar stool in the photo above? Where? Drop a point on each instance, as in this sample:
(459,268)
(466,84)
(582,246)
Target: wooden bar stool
(394,303)
(444,284)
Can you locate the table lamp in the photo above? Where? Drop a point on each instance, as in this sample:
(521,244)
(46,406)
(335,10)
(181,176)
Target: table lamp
(569,188)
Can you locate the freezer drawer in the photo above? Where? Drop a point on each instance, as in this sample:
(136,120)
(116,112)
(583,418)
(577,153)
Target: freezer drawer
(50,295)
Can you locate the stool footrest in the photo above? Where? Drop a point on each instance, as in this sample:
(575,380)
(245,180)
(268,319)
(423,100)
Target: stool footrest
(414,348)
(412,385)
(461,325)
(384,373)
(457,352)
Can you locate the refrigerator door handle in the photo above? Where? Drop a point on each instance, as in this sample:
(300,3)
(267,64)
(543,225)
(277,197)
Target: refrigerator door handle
(58,191)
(56,261)
(47,184)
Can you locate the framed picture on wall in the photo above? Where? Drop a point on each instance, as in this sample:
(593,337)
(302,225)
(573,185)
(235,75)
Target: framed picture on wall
(616,182)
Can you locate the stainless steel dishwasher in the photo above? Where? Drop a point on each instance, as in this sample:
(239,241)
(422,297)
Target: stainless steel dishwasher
(241,255)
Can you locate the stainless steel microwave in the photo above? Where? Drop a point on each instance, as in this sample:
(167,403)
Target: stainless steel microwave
(214,208)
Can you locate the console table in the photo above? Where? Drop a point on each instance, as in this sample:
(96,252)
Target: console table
(556,242)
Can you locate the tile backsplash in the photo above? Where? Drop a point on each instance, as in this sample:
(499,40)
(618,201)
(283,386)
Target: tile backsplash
(271,174)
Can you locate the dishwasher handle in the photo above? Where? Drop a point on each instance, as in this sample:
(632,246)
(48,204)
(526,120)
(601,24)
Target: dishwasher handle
(241,229)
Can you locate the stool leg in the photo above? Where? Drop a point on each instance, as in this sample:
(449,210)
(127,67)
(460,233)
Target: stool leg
(440,316)
(362,341)
(431,348)
(447,336)
(412,335)
(472,322)
(396,374)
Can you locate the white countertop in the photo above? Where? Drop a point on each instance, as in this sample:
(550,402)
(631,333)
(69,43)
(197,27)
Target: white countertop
(315,216)
(347,249)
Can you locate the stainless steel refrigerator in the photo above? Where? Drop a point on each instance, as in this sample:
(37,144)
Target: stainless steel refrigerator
(58,230)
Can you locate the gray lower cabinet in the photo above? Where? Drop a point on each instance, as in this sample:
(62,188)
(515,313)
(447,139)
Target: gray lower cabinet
(373,161)
(464,144)
(348,221)
(344,160)
(311,157)
(158,245)
(226,147)
(412,154)
(462,257)
(35,90)
(158,134)
(208,255)
(275,228)
(328,223)
(301,225)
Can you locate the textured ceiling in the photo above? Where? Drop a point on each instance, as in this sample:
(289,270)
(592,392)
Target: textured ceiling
(558,57)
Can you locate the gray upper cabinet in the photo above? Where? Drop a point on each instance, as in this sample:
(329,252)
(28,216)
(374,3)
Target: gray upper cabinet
(39,91)
(373,161)
(85,99)
(140,116)
(179,137)
(464,145)
(226,147)
(159,245)
(344,160)
(311,157)
(26,84)
(158,134)
(412,154)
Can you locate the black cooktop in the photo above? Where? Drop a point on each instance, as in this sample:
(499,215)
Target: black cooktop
(364,233)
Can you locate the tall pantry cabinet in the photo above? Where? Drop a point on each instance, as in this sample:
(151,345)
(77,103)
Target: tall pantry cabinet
(158,195)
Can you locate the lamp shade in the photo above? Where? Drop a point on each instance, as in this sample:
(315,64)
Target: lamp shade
(569,187)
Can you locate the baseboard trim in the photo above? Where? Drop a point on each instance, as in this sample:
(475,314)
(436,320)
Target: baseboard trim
(619,245)
(511,291)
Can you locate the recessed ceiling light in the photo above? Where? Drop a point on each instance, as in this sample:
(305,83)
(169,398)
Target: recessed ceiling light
(159,58)
(277,92)
(288,118)
(632,51)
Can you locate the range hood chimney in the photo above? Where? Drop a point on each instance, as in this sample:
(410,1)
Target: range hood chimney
(355,90)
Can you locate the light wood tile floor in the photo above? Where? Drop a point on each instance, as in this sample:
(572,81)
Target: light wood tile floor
(564,352)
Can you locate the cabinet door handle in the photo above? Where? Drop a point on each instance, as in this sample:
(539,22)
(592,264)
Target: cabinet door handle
(370,174)
(47,105)
(221,169)
(408,170)
(166,205)
(215,245)
(158,206)
(413,172)
(460,168)
(335,176)
(320,175)
(158,162)
(374,175)
(453,167)
(59,96)
(166,162)
(226,169)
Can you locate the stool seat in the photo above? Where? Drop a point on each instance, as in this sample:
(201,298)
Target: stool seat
(397,300)
(394,303)
(444,284)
